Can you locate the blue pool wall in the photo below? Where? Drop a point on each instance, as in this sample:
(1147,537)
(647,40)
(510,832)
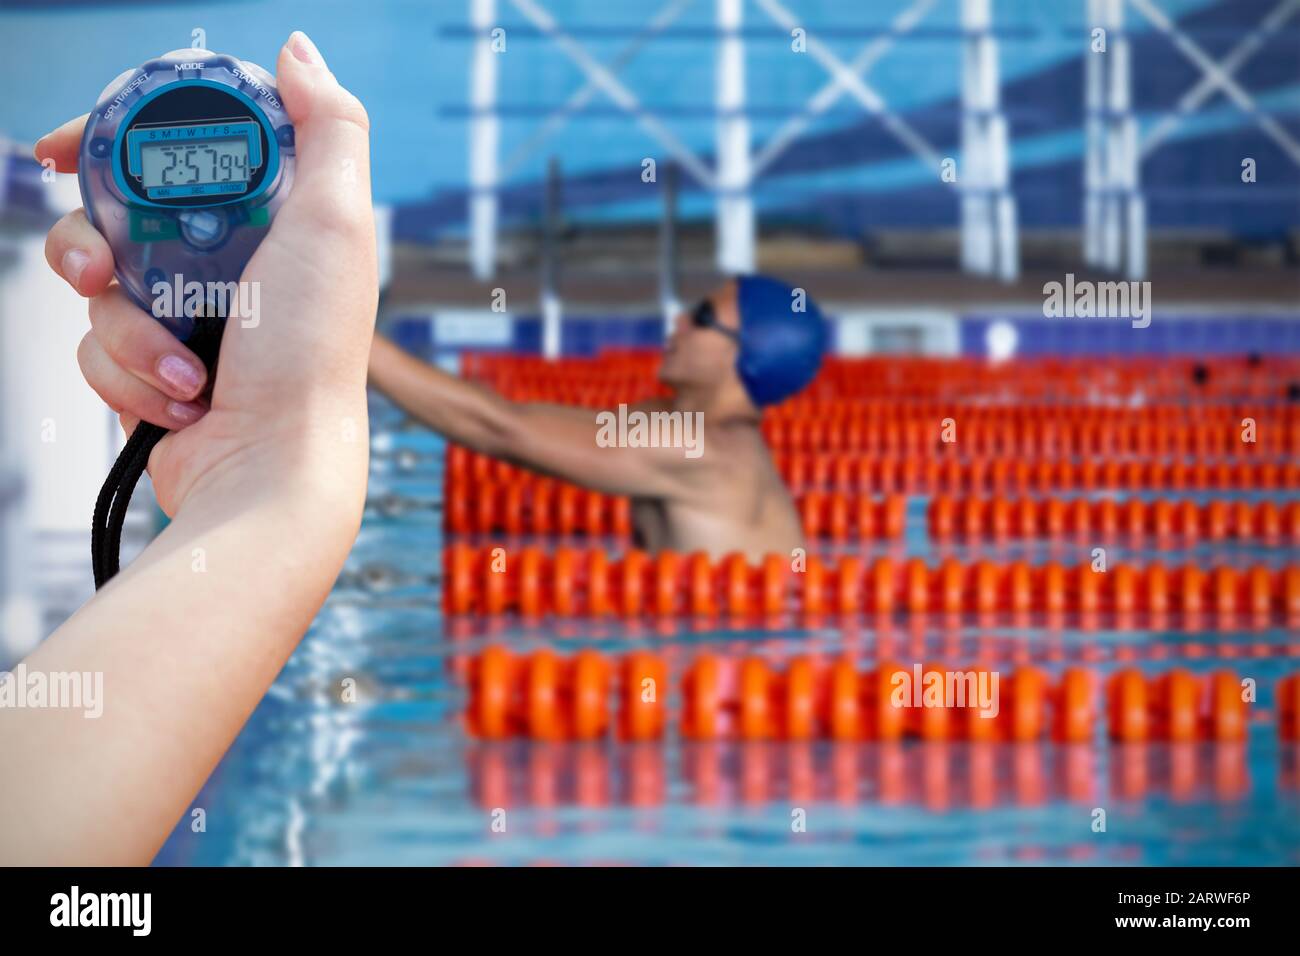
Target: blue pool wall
(1182,334)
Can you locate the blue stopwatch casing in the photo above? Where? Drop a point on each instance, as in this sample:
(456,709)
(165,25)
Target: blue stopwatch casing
(184,163)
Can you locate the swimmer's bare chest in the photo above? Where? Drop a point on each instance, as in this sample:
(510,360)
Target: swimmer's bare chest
(718,530)
(738,505)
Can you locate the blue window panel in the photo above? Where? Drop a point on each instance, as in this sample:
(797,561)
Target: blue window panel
(577,338)
(971,336)
(1057,338)
(1255,335)
(1210,335)
(528,335)
(648,333)
(1119,335)
(1032,336)
(1153,340)
(1290,338)
(414,334)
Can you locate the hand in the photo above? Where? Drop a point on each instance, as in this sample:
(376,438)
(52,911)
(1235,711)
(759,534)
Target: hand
(300,373)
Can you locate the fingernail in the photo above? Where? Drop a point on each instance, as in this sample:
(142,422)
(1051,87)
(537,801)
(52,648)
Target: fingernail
(187,413)
(74,264)
(303,49)
(181,374)
(36,150)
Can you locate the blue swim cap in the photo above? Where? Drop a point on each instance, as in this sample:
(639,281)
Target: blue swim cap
(780,348)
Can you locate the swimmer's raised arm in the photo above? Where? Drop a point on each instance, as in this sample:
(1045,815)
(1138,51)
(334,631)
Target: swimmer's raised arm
(266,490)
(562,441)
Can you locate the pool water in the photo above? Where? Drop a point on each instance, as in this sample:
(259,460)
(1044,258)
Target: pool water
(392,778)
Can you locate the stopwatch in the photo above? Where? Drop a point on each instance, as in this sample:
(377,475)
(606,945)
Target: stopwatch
(183,164)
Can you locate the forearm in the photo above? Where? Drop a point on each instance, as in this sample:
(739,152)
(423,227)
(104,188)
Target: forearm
(188,639)
(556,440)
(463,412)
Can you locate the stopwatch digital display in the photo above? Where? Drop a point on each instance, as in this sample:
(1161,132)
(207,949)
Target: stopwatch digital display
(184,162)
(208,159)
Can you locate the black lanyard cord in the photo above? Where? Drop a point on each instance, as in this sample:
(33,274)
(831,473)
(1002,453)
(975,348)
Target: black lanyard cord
(115,496)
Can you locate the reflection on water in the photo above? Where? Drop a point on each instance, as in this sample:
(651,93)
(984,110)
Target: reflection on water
(935,776)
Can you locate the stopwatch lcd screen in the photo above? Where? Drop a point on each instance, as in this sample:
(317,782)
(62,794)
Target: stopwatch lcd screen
(191,161)
(210,162)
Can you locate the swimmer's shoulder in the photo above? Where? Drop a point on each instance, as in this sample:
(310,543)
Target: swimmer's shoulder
(741,438)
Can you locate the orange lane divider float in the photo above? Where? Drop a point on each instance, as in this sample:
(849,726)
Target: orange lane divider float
(978,432)
(907,416)
(1000,519)
(1035,415)
(627,375)
(1150,379)
(547,697)
(537,506)
(467,472)
(548,507)
(850,471)
(571,582)
(544,696)
(958,435)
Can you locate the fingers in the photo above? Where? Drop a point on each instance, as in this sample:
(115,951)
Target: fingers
(143,347)
(76,250)
(62,145)
(129,396)
(138,367)
(331,138)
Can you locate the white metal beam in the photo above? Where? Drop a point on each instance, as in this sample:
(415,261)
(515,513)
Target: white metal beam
(1219,75)
(989,230)
(1114,214)
(484,137)
(584,95)
(859,89)
(600,75)
(1094,169)
(735,205)
(829,95)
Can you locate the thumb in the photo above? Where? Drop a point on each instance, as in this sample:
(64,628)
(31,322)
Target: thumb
(315,269)
(331,135)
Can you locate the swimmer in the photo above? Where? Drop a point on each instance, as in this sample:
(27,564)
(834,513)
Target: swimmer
(745,347)
(264,477)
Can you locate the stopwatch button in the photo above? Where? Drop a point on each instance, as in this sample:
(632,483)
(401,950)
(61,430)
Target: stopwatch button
(118,82)
(187,55)
(202,228)
(262,76)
